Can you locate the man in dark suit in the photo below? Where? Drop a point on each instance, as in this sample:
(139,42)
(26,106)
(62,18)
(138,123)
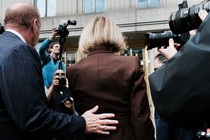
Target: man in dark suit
(24,113)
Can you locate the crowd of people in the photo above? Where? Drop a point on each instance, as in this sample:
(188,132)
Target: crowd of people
(101,97)
(24,109)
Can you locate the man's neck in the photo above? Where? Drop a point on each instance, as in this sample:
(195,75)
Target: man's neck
(22,33)
(55,56)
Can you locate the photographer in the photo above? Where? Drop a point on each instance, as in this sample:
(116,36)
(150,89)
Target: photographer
(164,130)
(49,54)
(59,96)
(184,80)
(58,92)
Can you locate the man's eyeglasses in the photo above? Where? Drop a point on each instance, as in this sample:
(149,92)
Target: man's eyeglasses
(57,74)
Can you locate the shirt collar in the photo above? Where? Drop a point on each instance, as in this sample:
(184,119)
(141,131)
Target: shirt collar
(16,33)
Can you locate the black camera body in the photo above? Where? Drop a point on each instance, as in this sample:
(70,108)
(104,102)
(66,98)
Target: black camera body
(161,39)
(62,81)
(186,19)
(62,29)
(1,28)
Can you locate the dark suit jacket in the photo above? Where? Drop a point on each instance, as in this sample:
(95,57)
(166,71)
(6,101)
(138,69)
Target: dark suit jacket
(115,83)
(23,106)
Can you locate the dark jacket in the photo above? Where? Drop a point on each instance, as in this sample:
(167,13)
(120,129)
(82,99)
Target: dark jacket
(181,95)
(115,83)
(23,105)
(58,98)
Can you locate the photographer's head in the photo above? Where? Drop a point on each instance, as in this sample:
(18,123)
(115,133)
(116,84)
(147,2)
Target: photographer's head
(59,73)
(159,60)
(59,78)
(54,49)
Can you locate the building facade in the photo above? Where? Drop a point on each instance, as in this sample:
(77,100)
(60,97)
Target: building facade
(134,17)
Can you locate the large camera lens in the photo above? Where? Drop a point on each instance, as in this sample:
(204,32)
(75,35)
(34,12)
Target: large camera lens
(160,39)
(187,19)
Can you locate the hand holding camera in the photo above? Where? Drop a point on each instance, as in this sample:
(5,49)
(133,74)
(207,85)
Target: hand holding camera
(169,51)
(59,81)
(53,34)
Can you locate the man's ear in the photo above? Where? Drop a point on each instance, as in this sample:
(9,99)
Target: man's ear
(35,25)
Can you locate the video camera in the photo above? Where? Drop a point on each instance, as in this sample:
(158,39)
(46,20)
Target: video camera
(186,19)
(1,28)
(62,30)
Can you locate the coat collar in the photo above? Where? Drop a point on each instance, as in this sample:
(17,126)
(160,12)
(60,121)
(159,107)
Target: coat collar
(100,50)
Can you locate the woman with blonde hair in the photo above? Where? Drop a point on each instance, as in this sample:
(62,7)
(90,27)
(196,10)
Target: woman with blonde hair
(115,83)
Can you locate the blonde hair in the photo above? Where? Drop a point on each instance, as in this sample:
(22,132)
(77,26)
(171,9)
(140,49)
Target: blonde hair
(101,32)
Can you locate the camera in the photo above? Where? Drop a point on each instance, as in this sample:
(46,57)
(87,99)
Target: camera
(62,29)
(161,39)
(62,81)
(186,19)
(1,28)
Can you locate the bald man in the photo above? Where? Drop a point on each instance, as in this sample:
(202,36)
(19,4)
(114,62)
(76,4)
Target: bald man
(24,113)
